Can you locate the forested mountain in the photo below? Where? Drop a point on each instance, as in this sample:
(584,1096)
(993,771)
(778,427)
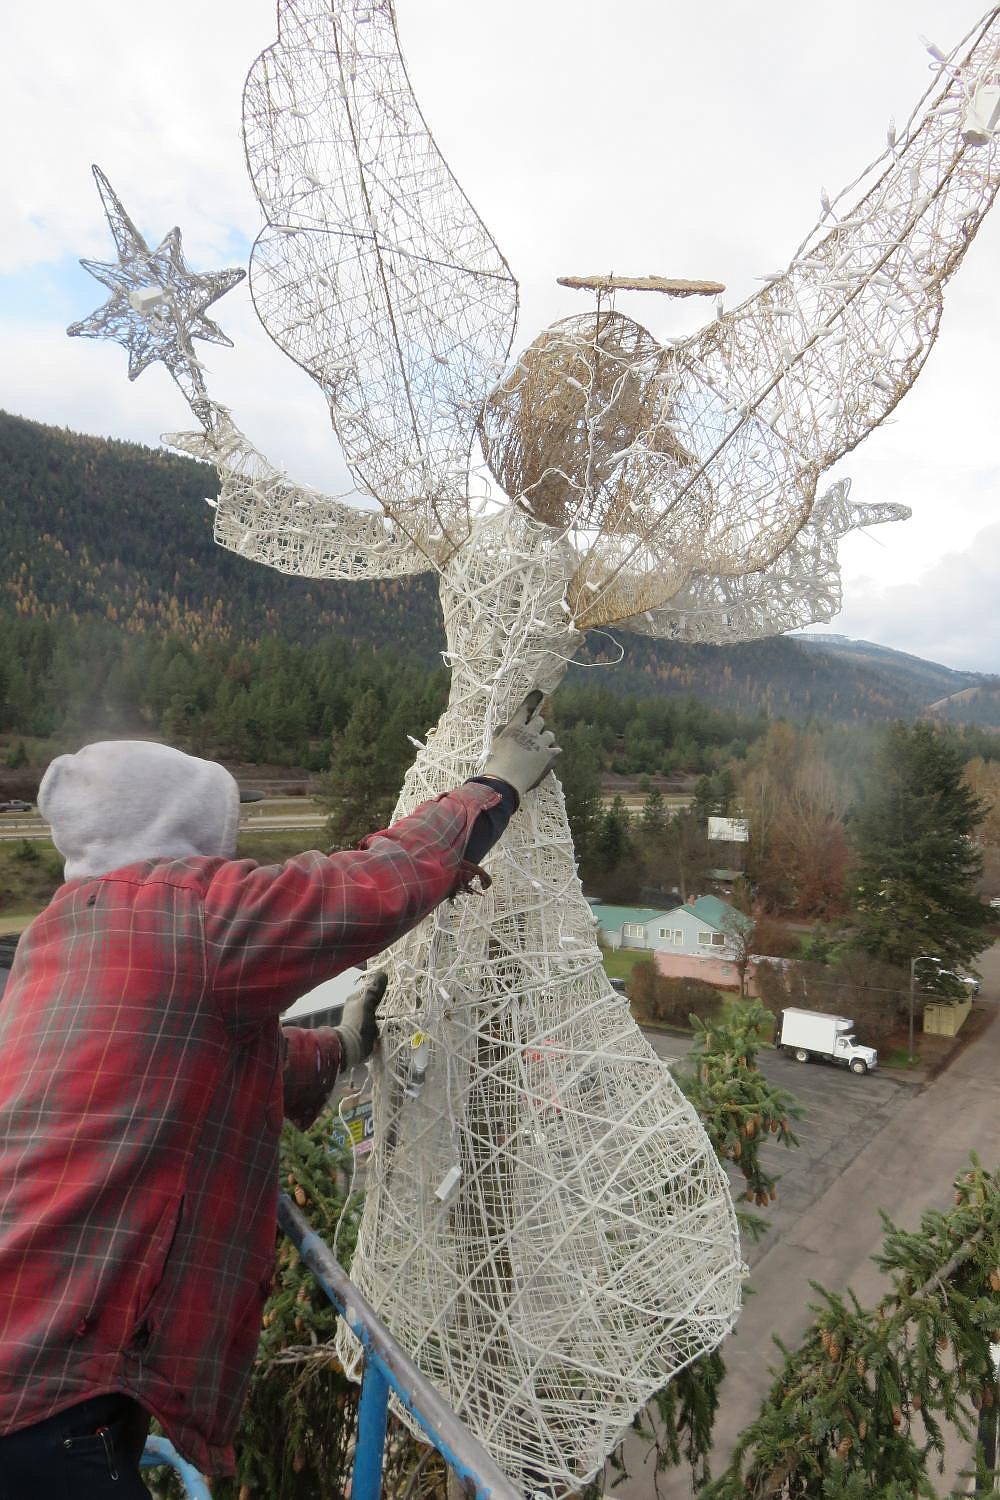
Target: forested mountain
(975,705)
(97,529)
(926,680)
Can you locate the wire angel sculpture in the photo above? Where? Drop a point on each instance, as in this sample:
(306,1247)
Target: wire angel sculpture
(546,1228)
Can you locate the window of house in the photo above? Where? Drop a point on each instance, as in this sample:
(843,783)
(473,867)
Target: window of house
(718,939)
(677,936)
(704,939)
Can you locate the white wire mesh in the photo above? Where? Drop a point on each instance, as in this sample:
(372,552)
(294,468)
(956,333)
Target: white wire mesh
(157,306)
(705,456)
(373,271)
(660,465)
(588,1249)
(801,587)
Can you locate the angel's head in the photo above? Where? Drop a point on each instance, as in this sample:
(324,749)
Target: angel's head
(579,431)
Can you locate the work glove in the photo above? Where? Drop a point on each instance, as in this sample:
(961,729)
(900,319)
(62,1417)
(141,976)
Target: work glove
(523,751)
(357,1030)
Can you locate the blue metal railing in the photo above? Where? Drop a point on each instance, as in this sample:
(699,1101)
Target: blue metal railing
(159,1451)
(389,1368)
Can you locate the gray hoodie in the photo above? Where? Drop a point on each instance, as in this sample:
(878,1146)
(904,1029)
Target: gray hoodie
(119,801)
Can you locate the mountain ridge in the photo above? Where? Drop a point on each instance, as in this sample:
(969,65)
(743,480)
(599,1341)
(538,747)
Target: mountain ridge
(106,528)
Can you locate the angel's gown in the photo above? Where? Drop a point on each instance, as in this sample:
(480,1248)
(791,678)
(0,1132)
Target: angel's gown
(546,1228)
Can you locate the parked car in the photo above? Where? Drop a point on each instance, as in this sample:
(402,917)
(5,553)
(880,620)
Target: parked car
(14,804)
(955,980)
(8,943)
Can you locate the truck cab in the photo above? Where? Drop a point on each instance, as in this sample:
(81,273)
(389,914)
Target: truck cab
(859,1059)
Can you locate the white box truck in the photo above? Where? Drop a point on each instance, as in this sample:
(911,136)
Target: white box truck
(808,1033)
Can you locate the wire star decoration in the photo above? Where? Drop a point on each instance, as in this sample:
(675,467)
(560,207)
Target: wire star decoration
(157,305)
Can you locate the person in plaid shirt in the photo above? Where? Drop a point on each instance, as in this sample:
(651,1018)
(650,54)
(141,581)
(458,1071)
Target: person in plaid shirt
(143,1080)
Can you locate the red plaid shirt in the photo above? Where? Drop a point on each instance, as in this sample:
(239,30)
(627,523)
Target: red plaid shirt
(141,1103)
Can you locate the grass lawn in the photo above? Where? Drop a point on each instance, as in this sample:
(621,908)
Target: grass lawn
(619,962)
(275,846)
(9,922)
(899,1057)
(30,871)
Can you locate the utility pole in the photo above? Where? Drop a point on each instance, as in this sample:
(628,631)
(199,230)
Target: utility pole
(917,957)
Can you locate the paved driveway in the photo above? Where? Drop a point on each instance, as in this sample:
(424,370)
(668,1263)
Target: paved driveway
(842,1113)
(901,1157)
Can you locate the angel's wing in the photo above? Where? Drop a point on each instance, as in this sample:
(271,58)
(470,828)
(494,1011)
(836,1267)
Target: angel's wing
(774,392)
(373,272)
(801,587)
(264,517)
(825,351)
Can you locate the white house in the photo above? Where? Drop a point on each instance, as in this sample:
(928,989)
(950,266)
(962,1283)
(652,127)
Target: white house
(324,1005)
(705,928)
(697,929)
(628,926)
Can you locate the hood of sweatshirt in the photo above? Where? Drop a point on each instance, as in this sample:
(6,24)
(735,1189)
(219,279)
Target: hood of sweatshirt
(119,801)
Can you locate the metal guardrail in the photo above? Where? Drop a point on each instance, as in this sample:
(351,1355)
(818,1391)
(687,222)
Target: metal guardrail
(389,1368)
(160,1451)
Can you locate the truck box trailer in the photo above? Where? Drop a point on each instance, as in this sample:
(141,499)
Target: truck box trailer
(806,1034)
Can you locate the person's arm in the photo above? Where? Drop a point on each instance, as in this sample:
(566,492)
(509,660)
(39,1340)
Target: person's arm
(522,754)
(313,1059)
(492,821)
(272,933)
(312,1063)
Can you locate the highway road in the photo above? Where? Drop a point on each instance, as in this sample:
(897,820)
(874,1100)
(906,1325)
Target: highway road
(268,817)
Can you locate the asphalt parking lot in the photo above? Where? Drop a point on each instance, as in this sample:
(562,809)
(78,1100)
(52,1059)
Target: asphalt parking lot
(842,1111)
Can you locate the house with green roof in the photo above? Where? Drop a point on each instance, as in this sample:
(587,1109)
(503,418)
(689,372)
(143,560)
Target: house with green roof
(700,928)
(627,926)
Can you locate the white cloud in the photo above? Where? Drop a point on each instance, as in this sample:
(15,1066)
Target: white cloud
(948,615)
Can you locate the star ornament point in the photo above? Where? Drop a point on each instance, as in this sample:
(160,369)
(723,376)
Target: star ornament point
(158,304)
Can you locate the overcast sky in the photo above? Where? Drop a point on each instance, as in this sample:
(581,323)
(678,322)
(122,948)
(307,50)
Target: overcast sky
(626,135)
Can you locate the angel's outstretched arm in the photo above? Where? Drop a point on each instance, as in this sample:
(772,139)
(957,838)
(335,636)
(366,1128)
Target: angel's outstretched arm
(822,354)
(800,588)
(774,392)
(261,514)
(373,271)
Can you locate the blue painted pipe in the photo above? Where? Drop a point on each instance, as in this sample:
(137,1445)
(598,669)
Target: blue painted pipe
(159,1450)
(459,1448)
(373,1413)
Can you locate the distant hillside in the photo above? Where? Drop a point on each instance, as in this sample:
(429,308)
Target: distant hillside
(775,677)
(959,697)
(926,680)
(113,529)
(116,529)
(975,705)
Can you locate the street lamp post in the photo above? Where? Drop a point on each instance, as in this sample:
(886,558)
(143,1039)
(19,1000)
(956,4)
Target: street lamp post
(917,957)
